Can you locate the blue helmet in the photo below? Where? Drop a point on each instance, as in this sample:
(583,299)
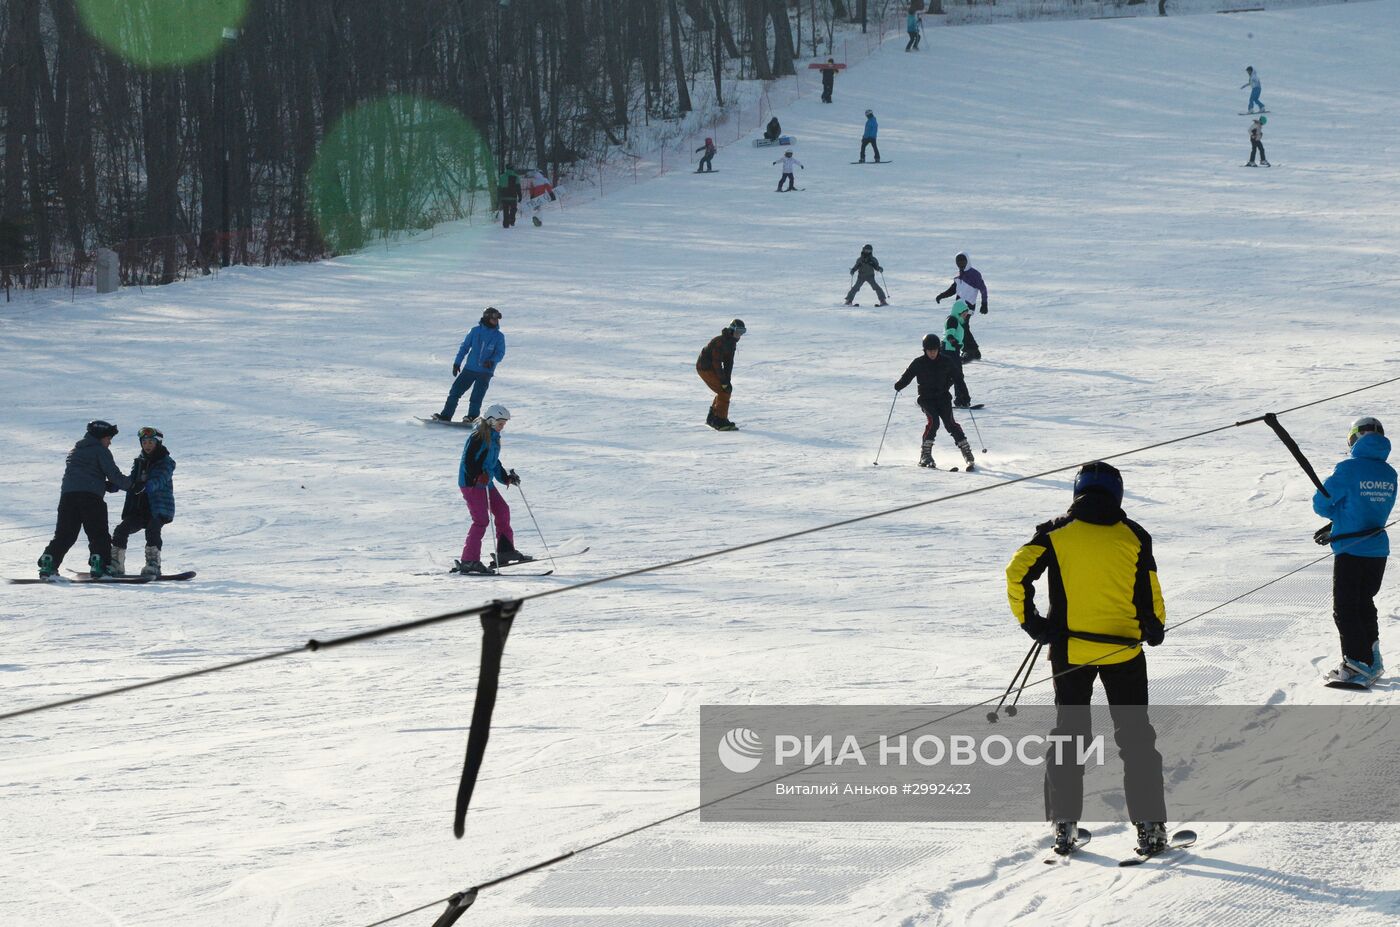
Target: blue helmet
(1099,477)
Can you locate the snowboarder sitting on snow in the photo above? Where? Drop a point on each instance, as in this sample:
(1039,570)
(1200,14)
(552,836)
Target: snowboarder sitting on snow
(1256,141)
(88,474)
(788,162)
(774,130)
(508,192)
(482,349)
(479,467)
(1359,497)
(1105,602)
(867,137)
(709,149)
(152,509)
(968,284)
(864,269)
(828,79)
(954,331)
(1253,84)
(934,374)
(716,367)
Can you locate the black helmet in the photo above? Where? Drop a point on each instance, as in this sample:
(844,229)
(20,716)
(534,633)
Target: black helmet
(870,112)
(867,249)
(490,312)
(737,327)
(100,429)
(931,341)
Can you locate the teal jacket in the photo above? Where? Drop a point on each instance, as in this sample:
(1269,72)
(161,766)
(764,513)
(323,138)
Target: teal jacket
(955,327)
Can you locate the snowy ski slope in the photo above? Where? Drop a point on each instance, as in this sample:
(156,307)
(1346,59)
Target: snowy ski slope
(1143,285)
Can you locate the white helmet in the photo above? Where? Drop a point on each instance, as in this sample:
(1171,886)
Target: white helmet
(498,412)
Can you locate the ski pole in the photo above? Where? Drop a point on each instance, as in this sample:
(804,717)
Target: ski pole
(1035,655)
(975,428)
(887,428)
(547,552)
(992,715)
(886,285)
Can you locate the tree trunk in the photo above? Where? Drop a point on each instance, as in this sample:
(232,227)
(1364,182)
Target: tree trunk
(678,62)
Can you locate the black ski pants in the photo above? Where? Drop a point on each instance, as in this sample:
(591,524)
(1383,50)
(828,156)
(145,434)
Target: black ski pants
(970,349)
(705,165)
(1355,582)
(1256,147)
(936,409)
(87,511)
(1125,684)
(862,280)
(508,210)
(960,393)
(828,82)
(871,143)
(133,523)
(788,179)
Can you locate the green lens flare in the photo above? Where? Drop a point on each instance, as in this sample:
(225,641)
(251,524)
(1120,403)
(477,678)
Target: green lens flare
(393,164)
(161,33)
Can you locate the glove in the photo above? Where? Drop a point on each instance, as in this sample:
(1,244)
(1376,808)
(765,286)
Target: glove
(1153,634)
(512,478)
(488,364)
(456,369)
(1323,535)
(983,310)
(166,519)
(896,387)
(1039,629)
(727,387)
(938,299)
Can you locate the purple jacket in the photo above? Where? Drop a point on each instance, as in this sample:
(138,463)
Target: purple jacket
(972,278)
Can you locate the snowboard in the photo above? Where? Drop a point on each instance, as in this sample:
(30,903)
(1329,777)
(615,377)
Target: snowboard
(818,66)
(1081,838)
(1270,164)
(704,172)
(164,577)
(82,578)
(791,190)
(886,161)
(454,423)
(770,143)
(1178,841)
(536,221)
(975,405)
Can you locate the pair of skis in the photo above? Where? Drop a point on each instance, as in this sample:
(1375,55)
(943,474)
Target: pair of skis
(1178,841)
(495,567)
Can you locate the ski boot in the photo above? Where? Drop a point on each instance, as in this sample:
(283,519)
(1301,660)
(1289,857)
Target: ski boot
(1151,837)
(118,564)
(926,455)
(883,302)
(1265,164)
(1066,832)
(962,405)
(47,567)
(724,424)
(1251,164)
(98,567)
(967,454)
(849,303)
(969,358)
(472,568)
(439,417)
(712,420)
(506,554)
(1377,664)
(152,567)
(468,419)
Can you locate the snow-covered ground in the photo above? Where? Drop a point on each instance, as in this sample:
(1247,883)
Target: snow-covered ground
(1143,285)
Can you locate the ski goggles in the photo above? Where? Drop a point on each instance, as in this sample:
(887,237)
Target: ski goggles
(150,434)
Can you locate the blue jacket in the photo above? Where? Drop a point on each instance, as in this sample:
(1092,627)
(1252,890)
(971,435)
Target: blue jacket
(159,495)
(911,23)
(871,127)
(90,468)
(481,456)
(1362,491)
(481,345)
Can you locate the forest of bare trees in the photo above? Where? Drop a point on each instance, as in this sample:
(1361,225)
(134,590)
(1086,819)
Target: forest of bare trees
(256,131)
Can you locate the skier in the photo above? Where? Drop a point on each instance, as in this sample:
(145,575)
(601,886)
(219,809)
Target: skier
(828,79)
(788,162)
(479,468)
(1105,601)
(1256,141)
(1253,84)
(868,136)
(914,25)
(709,148)
(540,186)
(151,509)
(864,269)
(934,375)
(508,190)
(968,284)
(1359,497)
(482,349)
(774,130)
(88,474)
(716,367)
(954,335)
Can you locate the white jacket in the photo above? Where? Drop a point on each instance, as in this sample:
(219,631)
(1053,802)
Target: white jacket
(788,164)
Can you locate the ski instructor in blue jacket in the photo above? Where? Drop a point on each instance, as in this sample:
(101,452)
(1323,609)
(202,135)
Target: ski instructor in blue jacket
(1360,494)
(476,361)
(867,137)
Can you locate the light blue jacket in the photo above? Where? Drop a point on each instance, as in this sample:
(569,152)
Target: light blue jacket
(912,23)
(482,344)
(1362,491)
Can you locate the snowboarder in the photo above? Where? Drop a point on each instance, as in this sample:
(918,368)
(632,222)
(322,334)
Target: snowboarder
(914,25)
(828,79)
(934,374)
(480,467)
(1256,141)
(954,334)
(540,186)
(709,149)
(475,364)
(1359,498)
(150,503)
(774,130)
(788,162)
(864,269)
(1105,602)
(867,137)
(508,191)
(1253,84)
(716,367)
(967,285)
(89,473)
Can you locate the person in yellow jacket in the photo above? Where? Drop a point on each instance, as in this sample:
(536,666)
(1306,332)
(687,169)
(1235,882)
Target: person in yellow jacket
(1105,602)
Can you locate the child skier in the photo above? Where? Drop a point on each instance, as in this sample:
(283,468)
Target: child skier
(715,366)
(968,285)
(153,471)
(480,467)
(1253,84)
(914,25)
(1256,142)
(482,349)
(508,192)
(88,474)
(872,128)
(828,79)
(788,162)
(1359,497)
(864,269)
(709,148)
(954,333)
(934,375)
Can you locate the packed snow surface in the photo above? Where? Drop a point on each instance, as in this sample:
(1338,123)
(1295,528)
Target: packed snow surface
(1144,285)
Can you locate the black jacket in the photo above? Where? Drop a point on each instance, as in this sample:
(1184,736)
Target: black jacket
(718,355)
(866,265)
(935,377)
